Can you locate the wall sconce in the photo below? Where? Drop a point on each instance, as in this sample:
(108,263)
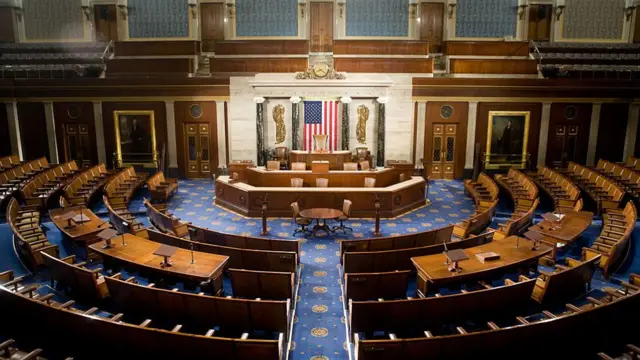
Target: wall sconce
(452,9)
(302,6)
(521,9)
(193,5)
(413,10)
(18,11)
(628,11)
(559,11)
(87,12)
(231,10)
(341,9)
(124,11)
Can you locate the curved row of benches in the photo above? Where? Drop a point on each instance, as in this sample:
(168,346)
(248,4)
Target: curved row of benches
(564,193)
(85,185)
(29,239)
(39,189)
(606,192)
(485,196)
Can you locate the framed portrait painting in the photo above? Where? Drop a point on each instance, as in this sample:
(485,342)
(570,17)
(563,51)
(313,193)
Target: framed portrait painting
(507,139)
(135,138)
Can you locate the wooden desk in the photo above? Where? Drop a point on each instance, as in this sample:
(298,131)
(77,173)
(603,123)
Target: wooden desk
(139,253)
(323,214)
(85,232)
(282,178)
(572,225)
(241,169)
(432,271)
(336,158)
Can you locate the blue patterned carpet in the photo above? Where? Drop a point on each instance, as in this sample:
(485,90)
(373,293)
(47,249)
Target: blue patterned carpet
(319,331)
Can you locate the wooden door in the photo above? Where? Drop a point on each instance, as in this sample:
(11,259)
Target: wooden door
(540,22)
(443,153)
(321,27)
(431,29)
(77,144)
(565,144)
(105,22)
(198,150)
(212,25)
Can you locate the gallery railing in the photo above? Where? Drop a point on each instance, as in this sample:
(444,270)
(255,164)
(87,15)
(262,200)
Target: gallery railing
(503,161)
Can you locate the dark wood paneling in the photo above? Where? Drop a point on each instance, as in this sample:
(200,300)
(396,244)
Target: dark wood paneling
(226,132)
(61,114)
(211,25)
(636,150)
(157,48)
(460,117)
(487,48)
(108,108)
(382,65)
(611,132)
(540,22)
(256,65)
(33,130)
(321,27)
(534,124)
(380,47)
(431,28)
(105,22)
(262,47)
(6,25)
(147,66)
(5,140)
(493,66)
(209,116)
(559,118)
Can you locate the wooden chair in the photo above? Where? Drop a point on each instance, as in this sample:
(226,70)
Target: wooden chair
(262,284)
(66,271)
(300,221)
(350,166)
(364,165)
(298,166)
(565,282)
(273,165)
(297,182)
(161,188)
(346,213)
(369,182)
(281,154)
(322,182)
(376,286)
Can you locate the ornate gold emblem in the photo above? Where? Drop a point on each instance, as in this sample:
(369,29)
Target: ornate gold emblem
(361,128)
(281,129)
(320,71)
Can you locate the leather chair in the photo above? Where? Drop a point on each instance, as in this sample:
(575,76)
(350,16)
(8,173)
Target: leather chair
(273,165)
(346,210)
(282,155)
(401,178)
(350,166)
(369,182)
(322,182)
(364,165)
(302,222)
(296,182)
(297,166)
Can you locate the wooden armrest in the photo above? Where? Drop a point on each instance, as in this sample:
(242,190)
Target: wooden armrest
(633,348)
(117,317)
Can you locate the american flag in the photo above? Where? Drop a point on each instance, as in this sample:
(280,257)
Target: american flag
(321,117)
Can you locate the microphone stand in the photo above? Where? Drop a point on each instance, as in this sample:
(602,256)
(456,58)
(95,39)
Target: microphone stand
(193,261)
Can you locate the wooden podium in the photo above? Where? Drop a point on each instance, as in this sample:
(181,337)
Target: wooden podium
(320,167)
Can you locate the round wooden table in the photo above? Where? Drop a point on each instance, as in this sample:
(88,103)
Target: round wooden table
(323,214)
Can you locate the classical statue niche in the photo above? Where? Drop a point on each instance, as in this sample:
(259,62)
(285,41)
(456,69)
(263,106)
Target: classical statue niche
(281,129)
(361,128)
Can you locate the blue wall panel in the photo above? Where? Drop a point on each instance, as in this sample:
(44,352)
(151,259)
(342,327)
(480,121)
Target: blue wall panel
(377,17)
(158,18)
(266,17)
(486,18)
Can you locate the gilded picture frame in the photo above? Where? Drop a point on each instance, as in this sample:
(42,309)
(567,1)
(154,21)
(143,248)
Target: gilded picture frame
(507,139)
(135,133)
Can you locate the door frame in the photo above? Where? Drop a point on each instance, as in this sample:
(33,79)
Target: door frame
(333,23)
(184,116)
(444,22)
(461,111)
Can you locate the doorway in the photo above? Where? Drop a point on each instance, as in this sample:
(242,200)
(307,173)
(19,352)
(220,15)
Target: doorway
(443,151)
(539,22)
(564,145)
(431,25)
(321,27)
(197,150)
(77,144)
(105,22)
(212,28)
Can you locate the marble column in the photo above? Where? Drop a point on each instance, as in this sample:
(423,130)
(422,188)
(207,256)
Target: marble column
(14,129)
(99,125)
(472,118)
(544,133)
(172,149)
(262,161)
(632,129)
(345,122)
(382,117)
(51,133)
(420,127)
(222,139)
(295,122)
(593,134)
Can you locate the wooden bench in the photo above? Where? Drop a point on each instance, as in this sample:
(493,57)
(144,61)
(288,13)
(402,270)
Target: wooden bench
(564,193)
(160,188)
(262,284)
(84,282)
(606,193)
(565,282)
(408,241)
(373,286)
(85,185)
(391,260)
(613,242)
(120,217)
(39,189)
(518,222)
(28,238)
(97,330)
(627,178)
(262,260)
(164,221)
(125,183)
(523,191)
(478,221)
(633,163)
(485,189)
(199,310)
(8,162)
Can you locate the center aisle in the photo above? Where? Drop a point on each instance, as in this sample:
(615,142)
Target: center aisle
(319,331)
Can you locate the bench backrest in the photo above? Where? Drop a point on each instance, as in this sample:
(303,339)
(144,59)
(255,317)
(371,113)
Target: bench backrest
(262,284)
